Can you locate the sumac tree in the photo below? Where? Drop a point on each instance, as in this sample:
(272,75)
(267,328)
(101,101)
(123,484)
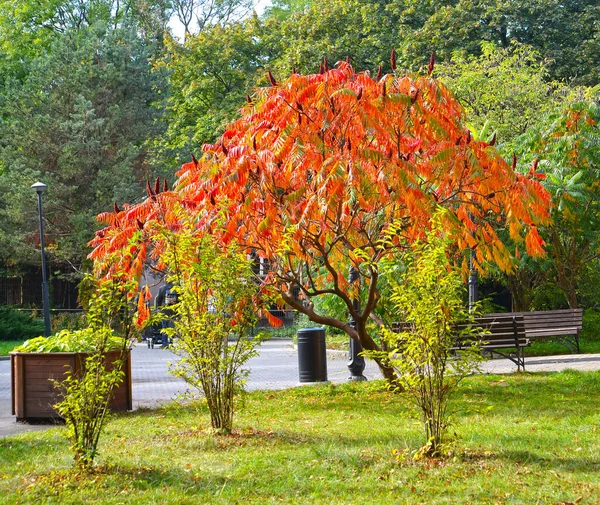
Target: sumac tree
(319,166)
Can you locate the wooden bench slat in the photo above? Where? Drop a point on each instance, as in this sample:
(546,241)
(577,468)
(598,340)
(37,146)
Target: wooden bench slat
(552,323)
(548,331)
(492,333)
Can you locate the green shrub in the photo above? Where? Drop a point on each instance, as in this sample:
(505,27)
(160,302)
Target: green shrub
(216,307)
(67,321)
(591,325)
(19,325)
(85,340)
(428,297)
(86,393)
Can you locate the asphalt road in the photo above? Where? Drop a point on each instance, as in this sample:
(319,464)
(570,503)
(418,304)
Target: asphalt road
(276,367)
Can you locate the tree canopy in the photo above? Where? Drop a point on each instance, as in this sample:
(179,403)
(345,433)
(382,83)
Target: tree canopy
(566,151)
(332,171)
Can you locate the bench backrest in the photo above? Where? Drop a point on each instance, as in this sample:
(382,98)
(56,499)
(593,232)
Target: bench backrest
(495,327)
(500,327)
(550,319)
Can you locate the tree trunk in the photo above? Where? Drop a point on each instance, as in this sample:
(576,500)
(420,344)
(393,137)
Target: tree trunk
(388,372)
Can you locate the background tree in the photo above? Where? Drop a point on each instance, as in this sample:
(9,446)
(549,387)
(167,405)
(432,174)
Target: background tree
(507,89)
(198,15)
(568,154)
(361,30)
(78,121)
(565,33)
(282,9)
(208,77)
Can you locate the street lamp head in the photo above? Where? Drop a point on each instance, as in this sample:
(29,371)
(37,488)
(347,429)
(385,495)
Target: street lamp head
(39,187)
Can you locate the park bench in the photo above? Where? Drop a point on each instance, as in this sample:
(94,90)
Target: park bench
(502,334)
(559,325)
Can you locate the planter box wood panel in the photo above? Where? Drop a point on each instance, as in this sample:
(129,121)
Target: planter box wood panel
(33,395)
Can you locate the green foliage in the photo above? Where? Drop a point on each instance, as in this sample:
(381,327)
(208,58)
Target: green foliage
(77,121)
(86,392)
(18,325)
(588,288)
(565,33)
(591,325)
(215,309)
(565,149)
(84,340)
(209,77)
(282,9)
(363,30)
(429,298)
(504,90)
(67,321)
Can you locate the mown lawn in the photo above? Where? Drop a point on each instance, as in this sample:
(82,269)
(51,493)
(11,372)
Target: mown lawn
(8,345)
(521,439)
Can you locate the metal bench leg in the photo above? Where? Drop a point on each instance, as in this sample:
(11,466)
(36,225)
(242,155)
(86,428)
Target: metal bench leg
(520,359)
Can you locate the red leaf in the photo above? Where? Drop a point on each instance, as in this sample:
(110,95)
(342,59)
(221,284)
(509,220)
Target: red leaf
(431,63)
(271,78)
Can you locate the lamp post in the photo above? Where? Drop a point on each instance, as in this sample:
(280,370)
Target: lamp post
(473,279)
(39,188)
(356,363)
(473,283)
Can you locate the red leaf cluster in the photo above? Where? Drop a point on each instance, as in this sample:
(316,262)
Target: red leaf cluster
(326,162)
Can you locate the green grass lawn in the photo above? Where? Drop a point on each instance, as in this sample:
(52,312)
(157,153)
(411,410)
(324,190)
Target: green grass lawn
(521,439)
(8,345)
(555,348)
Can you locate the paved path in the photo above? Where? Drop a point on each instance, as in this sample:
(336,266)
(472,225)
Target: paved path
(276,367)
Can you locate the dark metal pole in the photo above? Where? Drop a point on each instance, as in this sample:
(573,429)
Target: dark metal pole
(40,187)
(473,284)
(356,364)
(473,279)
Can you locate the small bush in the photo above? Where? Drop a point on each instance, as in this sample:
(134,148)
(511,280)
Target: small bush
(67,321)
(18,325)
(591,325)
(215,310)
(86,393)
(428,297)
(70,341)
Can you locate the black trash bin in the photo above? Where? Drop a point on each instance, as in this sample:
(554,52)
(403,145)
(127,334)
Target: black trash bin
(312,356)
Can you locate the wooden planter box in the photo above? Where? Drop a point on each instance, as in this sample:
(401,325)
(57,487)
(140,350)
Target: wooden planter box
(33,395)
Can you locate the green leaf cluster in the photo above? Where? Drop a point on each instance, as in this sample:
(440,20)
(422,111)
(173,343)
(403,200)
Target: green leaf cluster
(217,306)
(505,91)
(85,340)
(567,147)
(18,325)
(86,391)
(428,298)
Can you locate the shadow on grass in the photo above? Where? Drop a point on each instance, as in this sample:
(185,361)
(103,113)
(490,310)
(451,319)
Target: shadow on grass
(70,482)
(574,464)
(79,486)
